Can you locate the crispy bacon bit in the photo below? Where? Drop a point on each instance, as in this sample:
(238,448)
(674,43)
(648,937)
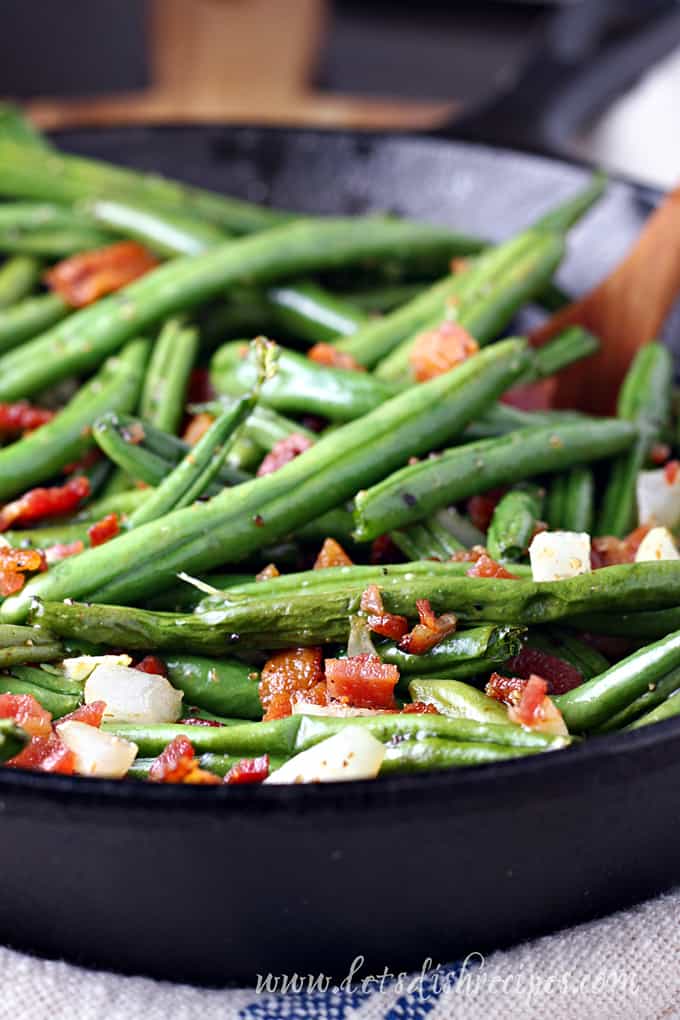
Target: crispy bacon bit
(38,503)
(46,754)
(326,354)
(480,508)
(429,631)
(85,278)
(507,689)
(419,708)
(197,428)
(535,396)
(486,567)
(27,713)
(671,471)
(531,699)
(268,572)
(458,264)
(22,417)
(103,530)
(62,551)
(608,551)
(387,624)
(15,564)
(437,351)
(249,770)
(469,555)
(152,664)
(362,681)
(91,714)
(283,452)
(561,676)
(659,453)
(177,764)
(383,550)
(200,389)
(331,555)
(292,675)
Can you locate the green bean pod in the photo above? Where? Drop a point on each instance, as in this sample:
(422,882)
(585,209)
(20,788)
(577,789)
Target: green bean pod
(255,514)
(53,702)
(25,319)
(18,277)
(165,387)
(514,523)
(47,229)
(420,489)
(464,648)
(16,127)
(432,753)
(657,692)
(42,453)
(569,212)
(579,499)
(458,700)
(238,738)
(501,418)
(668,709)
(166,232)
(12,739)
(51,678)
(223,686)
(645,399)
(310,312)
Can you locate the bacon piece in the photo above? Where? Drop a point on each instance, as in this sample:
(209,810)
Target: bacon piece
(197,427)
(103,530)
(82,279)
(152,664)
(91,714)
(429,631)
(331,555)
(484,566)
(535,396)
(177,764)
(469,555)
(659,453)
(288,676)
(608,551)
(38,503)
(62,551)
(282,452)
(419,708)
(560,675)
(268,572)
(387,624)
(248,770)
(537,710)
(480,508)
(383,550)
(27,713)
(362,681)
(45,754)
(437,351)
(507,689)
(15,564)
(327,354)
(22,417)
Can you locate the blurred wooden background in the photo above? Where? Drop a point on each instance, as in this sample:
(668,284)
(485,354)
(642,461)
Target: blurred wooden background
(237,60)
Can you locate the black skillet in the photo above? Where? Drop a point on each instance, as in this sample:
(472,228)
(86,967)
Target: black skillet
(214,885)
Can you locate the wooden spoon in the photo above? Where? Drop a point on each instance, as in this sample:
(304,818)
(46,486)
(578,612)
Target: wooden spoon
(625,311)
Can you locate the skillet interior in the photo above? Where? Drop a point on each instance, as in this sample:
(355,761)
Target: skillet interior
(214,885)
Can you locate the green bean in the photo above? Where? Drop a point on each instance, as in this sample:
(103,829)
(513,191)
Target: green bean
(458,700)
(463,648)
(571,345)
(18,277)
(183,597)
(197,471)
(645,399)
(93,333)
(486,310)
(12,739)
(309,312)
(227,687)
(579,502)
(379,300)
(164,231)
(500,419)
(12,635)
(266,428)
(555,503)
(10,657)
(15,127)
(668,709)
(47,229)
(300,385)
(634,624)
(122,503)
(514,523)
(432,753)
(416,491)
(50,678)
(29,317)
(221,763)
(164,394)
(423,542)
(277,617)
(573,209)
(257,513)
(656,693)
(591,704)
(67,437)
(246,740)
(51,701)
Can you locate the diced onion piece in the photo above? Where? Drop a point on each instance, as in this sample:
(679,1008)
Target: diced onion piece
(97,753)
(657,544)
(556,555)
(353,753)
(658,499)
(133,696)
(360,641)
(80,667)
(334,711)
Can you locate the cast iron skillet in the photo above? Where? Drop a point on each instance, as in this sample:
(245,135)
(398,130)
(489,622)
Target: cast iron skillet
(213,885)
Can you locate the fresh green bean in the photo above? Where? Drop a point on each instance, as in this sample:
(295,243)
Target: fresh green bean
(573,209)
(309,312)
(29,317)
(244,739)
(15,127)
(379,300)
(668,709)
(10,657)
(579,499)
(164,394)
(165,231)
(12,635)
(645,399)
(514,523)
(433,753)
(418,490)
(50,678)
(227,687)
(67,437)
(47,229)
(12,739)
(18,277)
(656,693)
(458,700)
(500,419)
(255,514)
(53,702)
(465,647)
(571,345)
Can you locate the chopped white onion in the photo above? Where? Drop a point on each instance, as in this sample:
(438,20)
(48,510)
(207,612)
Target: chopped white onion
(353,753)
(80,667)
(359,642)
(658,499)
(133,696)
(334,711)
(657,544)
(556,555)
(97,753)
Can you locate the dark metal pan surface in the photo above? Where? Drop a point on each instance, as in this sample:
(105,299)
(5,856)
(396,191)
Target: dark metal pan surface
(214,885)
